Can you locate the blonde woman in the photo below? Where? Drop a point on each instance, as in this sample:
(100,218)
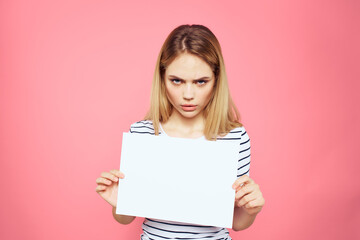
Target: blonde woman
(190,99)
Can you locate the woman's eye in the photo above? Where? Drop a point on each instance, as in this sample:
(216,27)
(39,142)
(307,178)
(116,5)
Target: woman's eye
(176,81)
(201,82)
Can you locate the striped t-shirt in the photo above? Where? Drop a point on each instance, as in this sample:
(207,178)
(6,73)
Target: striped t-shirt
(155,229)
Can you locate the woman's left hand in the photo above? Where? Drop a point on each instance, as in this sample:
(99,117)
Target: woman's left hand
(248,195)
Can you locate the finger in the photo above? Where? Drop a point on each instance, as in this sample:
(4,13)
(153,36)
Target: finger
(253,203)
(246,189)
(117,173)
(251,185)
(109,176)
(104,181)
(247,198)
(242,180)
(100,188)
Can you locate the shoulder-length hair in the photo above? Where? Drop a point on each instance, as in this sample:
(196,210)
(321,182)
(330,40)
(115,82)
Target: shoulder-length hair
(221,114)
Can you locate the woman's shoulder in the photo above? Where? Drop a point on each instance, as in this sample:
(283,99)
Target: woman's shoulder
(238,133)
(143,126)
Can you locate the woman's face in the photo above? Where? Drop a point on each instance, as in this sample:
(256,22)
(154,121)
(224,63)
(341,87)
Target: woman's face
(189,83)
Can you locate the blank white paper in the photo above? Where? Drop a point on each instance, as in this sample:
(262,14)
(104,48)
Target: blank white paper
(178,179)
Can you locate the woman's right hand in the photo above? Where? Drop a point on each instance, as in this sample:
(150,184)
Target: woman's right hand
(107,186)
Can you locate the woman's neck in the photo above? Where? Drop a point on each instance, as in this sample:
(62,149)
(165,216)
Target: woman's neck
(179,125)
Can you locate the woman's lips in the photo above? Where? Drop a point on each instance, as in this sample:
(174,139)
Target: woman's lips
(188,107)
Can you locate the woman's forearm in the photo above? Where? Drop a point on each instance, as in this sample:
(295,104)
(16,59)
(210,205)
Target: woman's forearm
(242,219)
(123,219)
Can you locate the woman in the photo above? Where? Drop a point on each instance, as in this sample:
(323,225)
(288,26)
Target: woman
(190,99)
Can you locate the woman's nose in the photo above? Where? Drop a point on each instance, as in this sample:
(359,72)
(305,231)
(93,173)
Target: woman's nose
(188,92)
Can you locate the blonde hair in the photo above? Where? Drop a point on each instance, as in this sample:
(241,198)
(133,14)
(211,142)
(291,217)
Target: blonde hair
(221,114)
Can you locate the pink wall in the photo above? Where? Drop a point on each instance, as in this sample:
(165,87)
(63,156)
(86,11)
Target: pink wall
(75,74)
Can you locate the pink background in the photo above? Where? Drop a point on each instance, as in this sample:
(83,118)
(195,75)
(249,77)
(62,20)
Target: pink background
(75,74)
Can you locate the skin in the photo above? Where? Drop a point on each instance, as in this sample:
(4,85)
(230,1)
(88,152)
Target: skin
(184,87)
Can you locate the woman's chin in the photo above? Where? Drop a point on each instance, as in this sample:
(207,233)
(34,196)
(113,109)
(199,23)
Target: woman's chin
(189,115)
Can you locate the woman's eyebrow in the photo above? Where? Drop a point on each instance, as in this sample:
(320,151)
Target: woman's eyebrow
(203,78)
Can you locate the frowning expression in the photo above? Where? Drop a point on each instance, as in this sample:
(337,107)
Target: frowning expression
(189,83)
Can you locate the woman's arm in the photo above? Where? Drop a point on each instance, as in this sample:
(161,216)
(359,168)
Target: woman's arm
(123,219)
(242,219)
(248,202)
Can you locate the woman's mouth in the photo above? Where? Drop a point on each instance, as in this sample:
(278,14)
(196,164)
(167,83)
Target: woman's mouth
(188,107)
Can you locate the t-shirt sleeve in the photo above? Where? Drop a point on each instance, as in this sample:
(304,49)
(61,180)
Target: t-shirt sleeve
(142,127)
(244,154)
(134,126)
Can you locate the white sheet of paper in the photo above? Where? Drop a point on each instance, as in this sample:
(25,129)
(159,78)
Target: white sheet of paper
(178,179)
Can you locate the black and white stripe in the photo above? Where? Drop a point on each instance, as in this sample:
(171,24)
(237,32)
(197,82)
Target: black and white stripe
(154,229)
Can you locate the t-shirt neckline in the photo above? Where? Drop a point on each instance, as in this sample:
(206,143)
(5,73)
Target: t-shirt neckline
(163,132)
